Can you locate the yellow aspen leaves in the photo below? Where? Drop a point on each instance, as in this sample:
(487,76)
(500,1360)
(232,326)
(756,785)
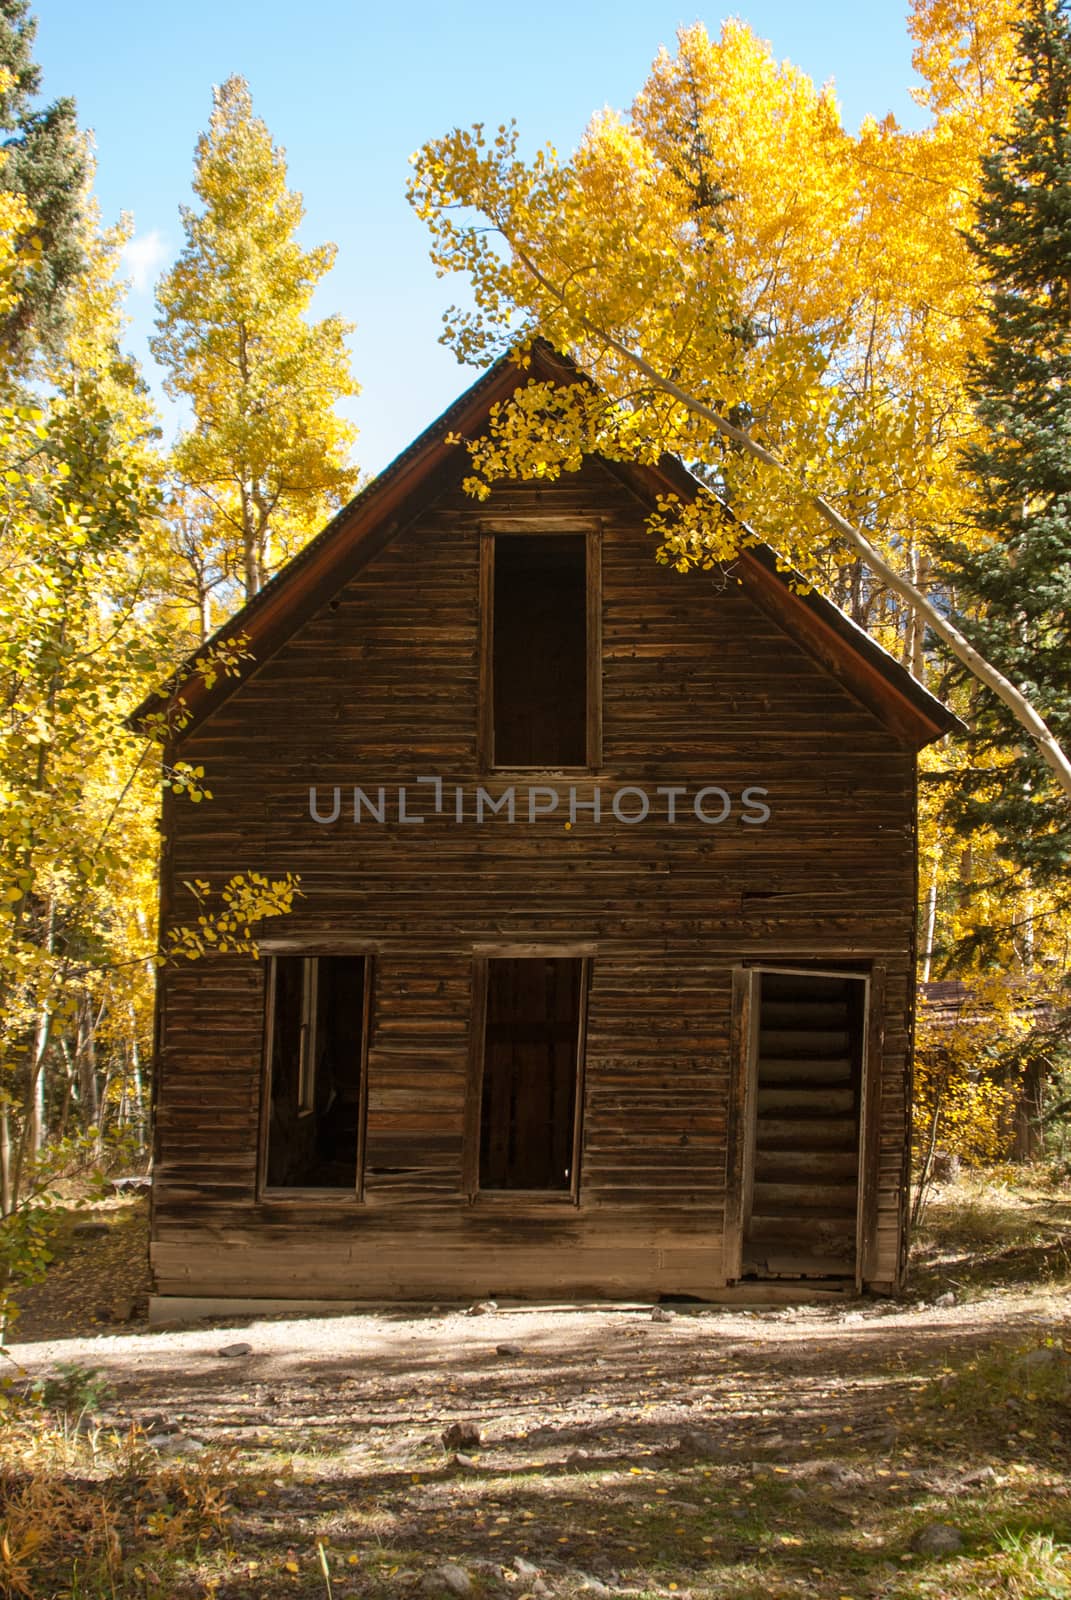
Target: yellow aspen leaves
(810,284)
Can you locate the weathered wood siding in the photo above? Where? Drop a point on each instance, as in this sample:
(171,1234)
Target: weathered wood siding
(381,686)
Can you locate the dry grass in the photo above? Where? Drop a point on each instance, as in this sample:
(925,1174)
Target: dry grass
(85,1512)
(1004,1226)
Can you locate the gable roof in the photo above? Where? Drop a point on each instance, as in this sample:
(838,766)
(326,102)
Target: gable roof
(378,513)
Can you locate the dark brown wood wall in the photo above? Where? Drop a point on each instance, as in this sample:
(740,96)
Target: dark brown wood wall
(381,686)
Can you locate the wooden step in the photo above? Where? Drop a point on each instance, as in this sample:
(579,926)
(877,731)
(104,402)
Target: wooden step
(791,1069)
(816,1234)
(807,1042)
(796,1166)
(786,1264)
(826,1133)
(804,1014)
(804,1199)
(817,1102)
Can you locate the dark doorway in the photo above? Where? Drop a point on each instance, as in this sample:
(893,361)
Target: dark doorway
(801,1218)
(539,668)
(532,1049)
(317,1022)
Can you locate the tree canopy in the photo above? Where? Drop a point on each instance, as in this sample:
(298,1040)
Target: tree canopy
(734,270)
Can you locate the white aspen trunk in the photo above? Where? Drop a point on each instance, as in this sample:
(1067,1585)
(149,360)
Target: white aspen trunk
(6,1201)
(69,1087)
(135,1083)
(122,1114)
(35,1098)
(931,917)
(102,1118)
(907,648)
(87,1069)
(917,663)
(37,1088)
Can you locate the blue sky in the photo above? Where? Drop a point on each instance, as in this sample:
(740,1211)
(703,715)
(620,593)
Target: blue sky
(351,89)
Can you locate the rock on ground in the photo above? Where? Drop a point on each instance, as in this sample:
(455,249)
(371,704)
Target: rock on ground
(462,1436)
(455,1578)
(937,1539)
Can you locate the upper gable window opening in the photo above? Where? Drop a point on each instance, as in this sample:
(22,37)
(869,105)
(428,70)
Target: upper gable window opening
(540,669)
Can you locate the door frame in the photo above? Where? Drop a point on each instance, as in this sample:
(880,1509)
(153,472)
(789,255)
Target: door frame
(742,1111)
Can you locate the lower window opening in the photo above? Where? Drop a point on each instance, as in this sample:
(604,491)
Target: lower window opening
(315,1066)
(531,1068)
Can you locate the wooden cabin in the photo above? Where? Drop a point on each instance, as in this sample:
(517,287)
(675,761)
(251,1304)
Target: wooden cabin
(600,982)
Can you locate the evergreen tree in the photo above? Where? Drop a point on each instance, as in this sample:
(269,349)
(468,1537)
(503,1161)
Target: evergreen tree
(1013,578)
(47,164)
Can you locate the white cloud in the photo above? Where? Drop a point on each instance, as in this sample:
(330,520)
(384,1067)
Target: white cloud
(142,257)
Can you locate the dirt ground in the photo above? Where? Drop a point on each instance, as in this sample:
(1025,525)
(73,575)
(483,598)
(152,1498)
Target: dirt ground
(383,1384)
(621,1448)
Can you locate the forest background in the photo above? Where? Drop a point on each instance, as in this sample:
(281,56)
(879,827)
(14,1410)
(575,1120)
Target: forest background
(885,315)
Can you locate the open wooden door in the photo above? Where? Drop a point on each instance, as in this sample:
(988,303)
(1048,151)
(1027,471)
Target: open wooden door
(801,1123)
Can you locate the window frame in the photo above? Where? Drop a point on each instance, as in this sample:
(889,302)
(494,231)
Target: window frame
(303,1194)
(310,989)
(474,1089)
(504,527)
